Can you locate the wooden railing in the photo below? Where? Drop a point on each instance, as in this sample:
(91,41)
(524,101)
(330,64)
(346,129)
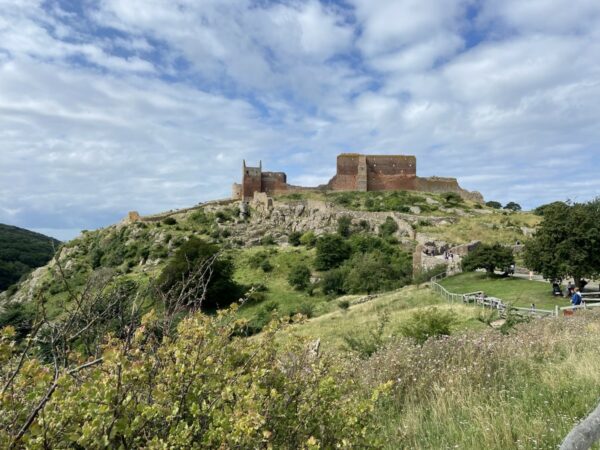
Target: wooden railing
(479,299)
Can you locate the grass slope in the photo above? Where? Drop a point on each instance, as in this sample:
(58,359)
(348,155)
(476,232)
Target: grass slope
(278,293)
(398,306)
(22,251)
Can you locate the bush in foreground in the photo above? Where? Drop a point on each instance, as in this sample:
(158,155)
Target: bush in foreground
(202,388)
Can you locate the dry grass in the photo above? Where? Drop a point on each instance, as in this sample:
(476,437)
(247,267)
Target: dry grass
(498,226)
(486,390)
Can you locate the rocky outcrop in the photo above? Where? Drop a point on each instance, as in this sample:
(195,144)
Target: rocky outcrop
(280,218)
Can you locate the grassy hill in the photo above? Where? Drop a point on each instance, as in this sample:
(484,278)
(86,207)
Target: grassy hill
(453,380)
(22,251)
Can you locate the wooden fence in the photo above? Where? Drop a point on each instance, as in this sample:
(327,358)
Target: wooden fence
(479,299)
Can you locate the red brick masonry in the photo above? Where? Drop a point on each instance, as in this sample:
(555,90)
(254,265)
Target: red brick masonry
(355,172)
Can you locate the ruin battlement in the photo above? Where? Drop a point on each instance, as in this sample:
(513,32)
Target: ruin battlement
(354,172)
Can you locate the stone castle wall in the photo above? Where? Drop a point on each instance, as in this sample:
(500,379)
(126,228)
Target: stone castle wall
(439,185)
(251,181)
(355,172)
(274,182)
(374,173)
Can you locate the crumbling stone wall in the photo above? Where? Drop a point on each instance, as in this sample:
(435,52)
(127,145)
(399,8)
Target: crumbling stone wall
(236,191)
(355,172)
(273,182)
(440,184)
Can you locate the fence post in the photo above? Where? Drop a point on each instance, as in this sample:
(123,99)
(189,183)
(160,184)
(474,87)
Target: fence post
(556,310)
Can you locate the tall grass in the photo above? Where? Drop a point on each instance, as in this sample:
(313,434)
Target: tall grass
(490,391)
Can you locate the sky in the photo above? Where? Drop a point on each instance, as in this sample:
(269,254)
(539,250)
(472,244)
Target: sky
(108,106)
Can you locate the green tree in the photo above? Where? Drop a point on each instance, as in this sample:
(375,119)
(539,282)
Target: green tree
(371,272)
(512,206)
(540,210)
(333,281)
(567,242)
(493,204)
(332,250)
(192,257)
(299,277)
(343,226)
(488,257)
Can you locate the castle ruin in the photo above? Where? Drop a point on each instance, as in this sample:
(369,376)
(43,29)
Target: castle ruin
(355,172)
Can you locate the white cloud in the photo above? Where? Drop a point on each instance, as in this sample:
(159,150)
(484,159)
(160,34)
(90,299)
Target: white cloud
(151,105)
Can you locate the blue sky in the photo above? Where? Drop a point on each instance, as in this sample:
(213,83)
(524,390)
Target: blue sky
(109,106)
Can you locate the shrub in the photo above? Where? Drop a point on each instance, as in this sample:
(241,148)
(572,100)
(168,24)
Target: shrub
(333,281)
(267,239)
(294,238)
(169,221)
(200,217)
(18,315)
(308,239)
(190,257)
(255,261)
(306,309)
(332,250)
(204,388)
(428,323)
(343,226)
(366,344)
(299,277)
(388,228)
(344,305)
(452,198)
(266,266)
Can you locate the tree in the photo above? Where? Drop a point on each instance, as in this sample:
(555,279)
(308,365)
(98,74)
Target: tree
(343,226)
(540,210)
(567,242)
(512,206)
(332,250)
(215,288)
(370,272)
(299,277)
(488,257)
(493,204)
(333,281)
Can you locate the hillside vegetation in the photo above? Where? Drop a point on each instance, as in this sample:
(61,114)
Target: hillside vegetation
(22,251)
(292,325)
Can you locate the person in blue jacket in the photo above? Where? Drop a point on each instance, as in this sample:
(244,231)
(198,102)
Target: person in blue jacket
(576,298)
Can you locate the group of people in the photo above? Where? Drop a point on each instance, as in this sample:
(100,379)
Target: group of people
(448,255)
(573,293)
